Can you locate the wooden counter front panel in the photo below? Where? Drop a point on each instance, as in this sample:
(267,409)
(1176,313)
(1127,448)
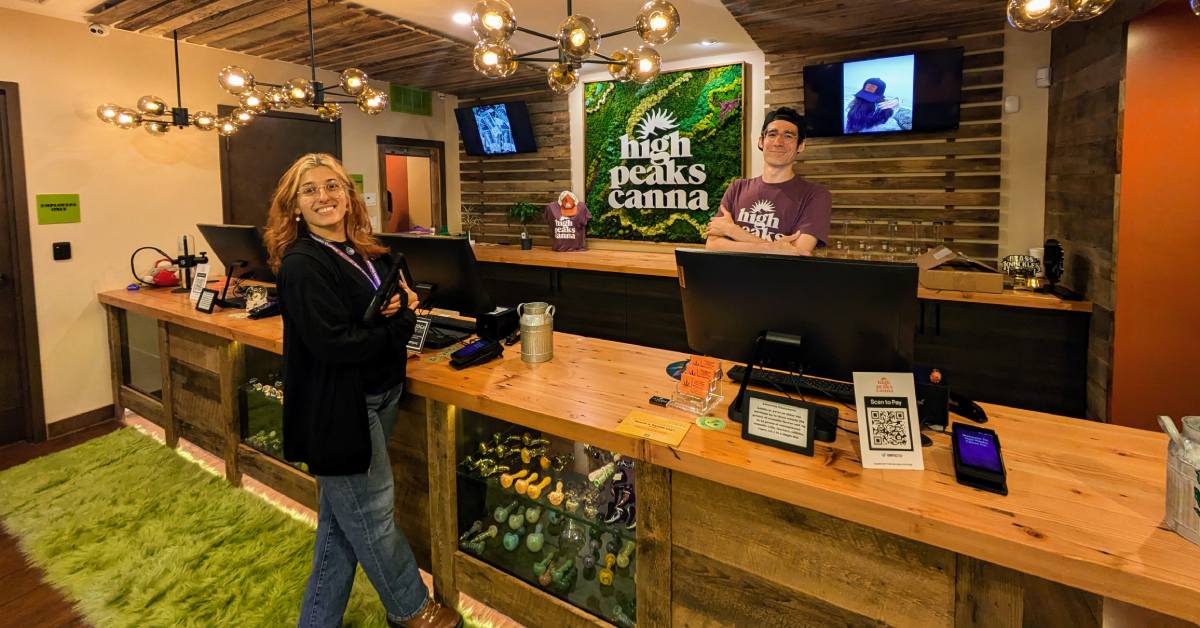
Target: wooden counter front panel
(408,452)
(742,559)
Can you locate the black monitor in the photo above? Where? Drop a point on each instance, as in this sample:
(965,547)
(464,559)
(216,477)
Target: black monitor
(243,254)
(446,267)
(849,315)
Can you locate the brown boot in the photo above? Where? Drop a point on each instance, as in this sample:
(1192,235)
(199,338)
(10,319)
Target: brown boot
(434,615)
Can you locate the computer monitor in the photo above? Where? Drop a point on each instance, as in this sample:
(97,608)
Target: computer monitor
(447,266)
(850,315)
(239,246)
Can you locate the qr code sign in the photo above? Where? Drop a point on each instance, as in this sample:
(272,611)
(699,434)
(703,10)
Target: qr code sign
(888,428)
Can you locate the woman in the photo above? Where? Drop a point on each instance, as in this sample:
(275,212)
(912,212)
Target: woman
(343,382)
(869,112)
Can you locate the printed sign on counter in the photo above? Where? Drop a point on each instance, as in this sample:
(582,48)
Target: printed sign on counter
(889,432)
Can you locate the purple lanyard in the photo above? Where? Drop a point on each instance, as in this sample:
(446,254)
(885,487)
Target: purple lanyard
(372,278)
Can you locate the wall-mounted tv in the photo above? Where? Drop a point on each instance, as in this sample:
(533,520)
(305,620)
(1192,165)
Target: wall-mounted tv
(497,129)
(918,92)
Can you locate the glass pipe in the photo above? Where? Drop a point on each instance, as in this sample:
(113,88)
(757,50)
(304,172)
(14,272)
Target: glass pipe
(543,565)
(529,453)
(565,575)
(535,490)
(622,619)
(606,573)
(507,479)
(572,501)
(626,553)
(547,575)
(535,540)
(631,516)
(571,538)
(522,484)
(477,544)
(512,540)
(601,476)
(532,514)
(475,528)
(502,512)
(556,496)
(487,468)
(517,519)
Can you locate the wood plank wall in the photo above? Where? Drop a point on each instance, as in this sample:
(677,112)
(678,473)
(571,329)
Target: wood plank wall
(949,177)
(492,184)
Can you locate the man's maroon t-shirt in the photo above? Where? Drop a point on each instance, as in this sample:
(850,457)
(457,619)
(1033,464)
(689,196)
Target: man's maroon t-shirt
(567,233)
(773,210)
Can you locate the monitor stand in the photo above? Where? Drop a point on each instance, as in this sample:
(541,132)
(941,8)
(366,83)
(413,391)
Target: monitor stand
(775,343)
(234,303)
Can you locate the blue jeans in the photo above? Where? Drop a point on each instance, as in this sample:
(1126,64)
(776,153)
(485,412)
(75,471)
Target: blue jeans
(356,523)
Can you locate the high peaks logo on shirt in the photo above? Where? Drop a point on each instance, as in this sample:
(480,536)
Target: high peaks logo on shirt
(760,219)
(659,182)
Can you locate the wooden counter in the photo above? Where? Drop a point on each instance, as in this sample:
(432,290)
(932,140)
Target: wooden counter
(663,265)
(1085,506)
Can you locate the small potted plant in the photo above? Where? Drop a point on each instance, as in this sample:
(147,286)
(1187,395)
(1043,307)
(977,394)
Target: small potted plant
(524,212)
(471,222)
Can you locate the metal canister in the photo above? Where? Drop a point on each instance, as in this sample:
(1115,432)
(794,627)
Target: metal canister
(537,331)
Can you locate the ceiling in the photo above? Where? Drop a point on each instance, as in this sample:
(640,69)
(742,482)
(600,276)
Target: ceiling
(417,43)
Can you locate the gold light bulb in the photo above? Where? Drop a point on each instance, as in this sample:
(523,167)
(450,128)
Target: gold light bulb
(493,21)
(204,121)
(255,100)
(107,113)
(300,91)
(657,22)
(235,80)
(330,112)
(152,105)
(578,36)
(226,127)
(490,57)
(494,60)
(127,118)
(620,69)
(353,80)
(157,128)
(1037,8)
(646,64)
(561,77)
(1038,15)
(241,116)
(1088,9)
(372,101)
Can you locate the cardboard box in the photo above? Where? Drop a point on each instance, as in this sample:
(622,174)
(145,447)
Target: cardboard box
(943,269)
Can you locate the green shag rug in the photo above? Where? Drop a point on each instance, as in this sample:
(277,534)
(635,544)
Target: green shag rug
(138,536)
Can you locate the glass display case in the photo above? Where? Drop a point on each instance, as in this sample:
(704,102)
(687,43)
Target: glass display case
(261,404)
(141,360)
(557,514)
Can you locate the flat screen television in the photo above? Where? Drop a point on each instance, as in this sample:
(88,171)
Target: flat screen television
(497,129)
(917,92)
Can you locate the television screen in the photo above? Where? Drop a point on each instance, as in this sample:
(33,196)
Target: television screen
(912,92)
(497,129)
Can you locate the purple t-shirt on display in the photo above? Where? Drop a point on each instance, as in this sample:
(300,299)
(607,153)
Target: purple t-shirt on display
(773,210)
(567,232)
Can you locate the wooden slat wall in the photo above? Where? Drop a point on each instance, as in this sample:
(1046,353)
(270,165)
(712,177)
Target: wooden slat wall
(951,177)
(492,184)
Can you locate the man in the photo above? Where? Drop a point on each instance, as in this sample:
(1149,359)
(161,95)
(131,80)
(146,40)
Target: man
(778,212)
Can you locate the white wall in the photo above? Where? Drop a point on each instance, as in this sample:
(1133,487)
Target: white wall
(135,189)
(1023,144)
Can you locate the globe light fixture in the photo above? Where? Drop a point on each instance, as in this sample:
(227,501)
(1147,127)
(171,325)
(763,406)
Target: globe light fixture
(1042,15)
(576,42)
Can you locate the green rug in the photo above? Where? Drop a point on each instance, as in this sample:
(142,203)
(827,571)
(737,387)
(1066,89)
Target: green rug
(138,536)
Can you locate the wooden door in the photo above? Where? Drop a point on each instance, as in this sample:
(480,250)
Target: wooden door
(20,381)
(253,159)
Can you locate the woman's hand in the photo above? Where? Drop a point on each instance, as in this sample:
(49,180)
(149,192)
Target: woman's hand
(393,305)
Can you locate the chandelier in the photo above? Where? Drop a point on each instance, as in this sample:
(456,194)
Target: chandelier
(153,114)
(258,97)
(1042,15)
(576,41)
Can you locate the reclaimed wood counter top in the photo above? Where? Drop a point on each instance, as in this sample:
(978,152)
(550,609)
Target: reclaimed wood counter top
(1085,504)
(662,264)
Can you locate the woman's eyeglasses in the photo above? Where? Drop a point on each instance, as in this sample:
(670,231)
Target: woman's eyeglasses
(332,188)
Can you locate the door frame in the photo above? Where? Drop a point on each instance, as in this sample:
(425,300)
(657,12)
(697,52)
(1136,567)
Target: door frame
(226,190)
(16,196)
(436,152)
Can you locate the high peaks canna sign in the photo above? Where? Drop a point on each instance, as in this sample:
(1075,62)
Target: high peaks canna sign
(659,156)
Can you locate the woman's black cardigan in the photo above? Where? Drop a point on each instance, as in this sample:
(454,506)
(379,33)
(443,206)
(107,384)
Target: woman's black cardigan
(326,347)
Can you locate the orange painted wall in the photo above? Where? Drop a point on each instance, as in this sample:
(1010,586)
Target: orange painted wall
(397,186)
(1156,351)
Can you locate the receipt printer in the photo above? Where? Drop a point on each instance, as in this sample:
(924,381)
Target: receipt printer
(497,324)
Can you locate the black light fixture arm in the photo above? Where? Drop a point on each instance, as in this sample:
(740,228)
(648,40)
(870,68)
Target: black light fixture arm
(619,32)
(539,51)
(179,114)
(535,33)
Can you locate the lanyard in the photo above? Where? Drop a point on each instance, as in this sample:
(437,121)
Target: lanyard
(372,278)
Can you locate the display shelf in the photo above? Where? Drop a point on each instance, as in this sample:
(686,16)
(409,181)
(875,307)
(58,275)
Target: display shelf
(580,583)
(262,422)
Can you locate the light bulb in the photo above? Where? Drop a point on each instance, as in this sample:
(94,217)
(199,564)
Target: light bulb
(657,22)
(353,80)
(204,121)
(646,64)
(152,105)
(300,91)
(226,127)
(278,97)
(241,116)
(155,127)
(620,69)
(127,118)
(578,36)
(372,101)
(108,112)
(1088,9)
(235,80)
(1038,15)
(493,21)
(255,100)
(494,60)
(561,78)
(330,112)
(1196,7)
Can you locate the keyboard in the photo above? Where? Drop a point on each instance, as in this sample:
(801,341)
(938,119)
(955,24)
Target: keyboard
(448,323)
(840,391)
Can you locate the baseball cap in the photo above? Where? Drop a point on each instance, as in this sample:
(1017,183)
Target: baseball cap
(872,90)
